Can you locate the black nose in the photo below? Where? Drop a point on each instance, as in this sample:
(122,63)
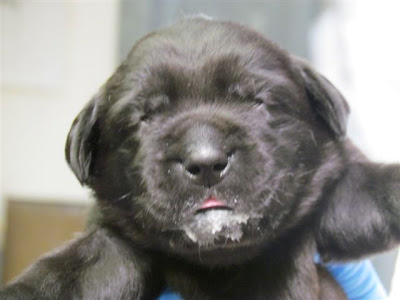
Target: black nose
(206,165)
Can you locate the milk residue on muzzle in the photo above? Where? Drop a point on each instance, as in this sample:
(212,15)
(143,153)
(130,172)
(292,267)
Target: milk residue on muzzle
(207,227)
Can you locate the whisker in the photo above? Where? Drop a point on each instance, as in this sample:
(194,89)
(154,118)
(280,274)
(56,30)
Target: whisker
(123,197)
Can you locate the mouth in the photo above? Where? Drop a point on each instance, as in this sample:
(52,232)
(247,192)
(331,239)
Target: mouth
(215,223)
(213,203)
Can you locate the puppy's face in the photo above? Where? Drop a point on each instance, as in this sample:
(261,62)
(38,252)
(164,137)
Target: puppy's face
(210,146)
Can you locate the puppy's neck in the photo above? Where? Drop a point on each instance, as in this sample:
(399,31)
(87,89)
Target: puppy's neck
(280,272)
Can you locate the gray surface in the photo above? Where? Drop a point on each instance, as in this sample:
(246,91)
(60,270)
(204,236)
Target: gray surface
(286,22)
(385,264)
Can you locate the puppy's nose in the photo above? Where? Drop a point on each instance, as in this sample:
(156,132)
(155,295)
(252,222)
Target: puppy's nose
(206,165)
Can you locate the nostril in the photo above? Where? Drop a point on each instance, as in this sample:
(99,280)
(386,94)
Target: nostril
(219,167)
(194,169)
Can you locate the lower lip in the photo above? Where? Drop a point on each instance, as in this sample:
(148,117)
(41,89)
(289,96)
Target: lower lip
(213,203)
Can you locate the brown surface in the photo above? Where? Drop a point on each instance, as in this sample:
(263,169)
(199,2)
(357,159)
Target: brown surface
(36,228)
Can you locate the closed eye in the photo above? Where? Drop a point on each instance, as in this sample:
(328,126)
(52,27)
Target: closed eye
(153,106)
(144,118)
(259,102)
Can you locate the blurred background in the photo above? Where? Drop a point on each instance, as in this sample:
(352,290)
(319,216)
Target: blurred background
(55,54)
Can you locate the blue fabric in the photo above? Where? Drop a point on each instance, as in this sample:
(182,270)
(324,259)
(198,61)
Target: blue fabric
(169,295)
(359,280)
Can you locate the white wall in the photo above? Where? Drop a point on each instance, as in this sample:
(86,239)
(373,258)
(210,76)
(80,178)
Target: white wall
(55,56)
(356,45)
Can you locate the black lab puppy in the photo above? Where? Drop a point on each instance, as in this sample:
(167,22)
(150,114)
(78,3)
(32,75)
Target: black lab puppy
(220,166)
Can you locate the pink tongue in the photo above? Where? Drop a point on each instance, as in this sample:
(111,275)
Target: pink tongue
(212,202)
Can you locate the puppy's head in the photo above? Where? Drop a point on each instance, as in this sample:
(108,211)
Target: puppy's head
(208,138)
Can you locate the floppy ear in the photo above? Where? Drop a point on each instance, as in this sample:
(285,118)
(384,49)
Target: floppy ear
(361,213)
(325,99)
(82,140)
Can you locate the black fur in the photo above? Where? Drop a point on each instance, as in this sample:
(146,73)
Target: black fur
(206,109)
